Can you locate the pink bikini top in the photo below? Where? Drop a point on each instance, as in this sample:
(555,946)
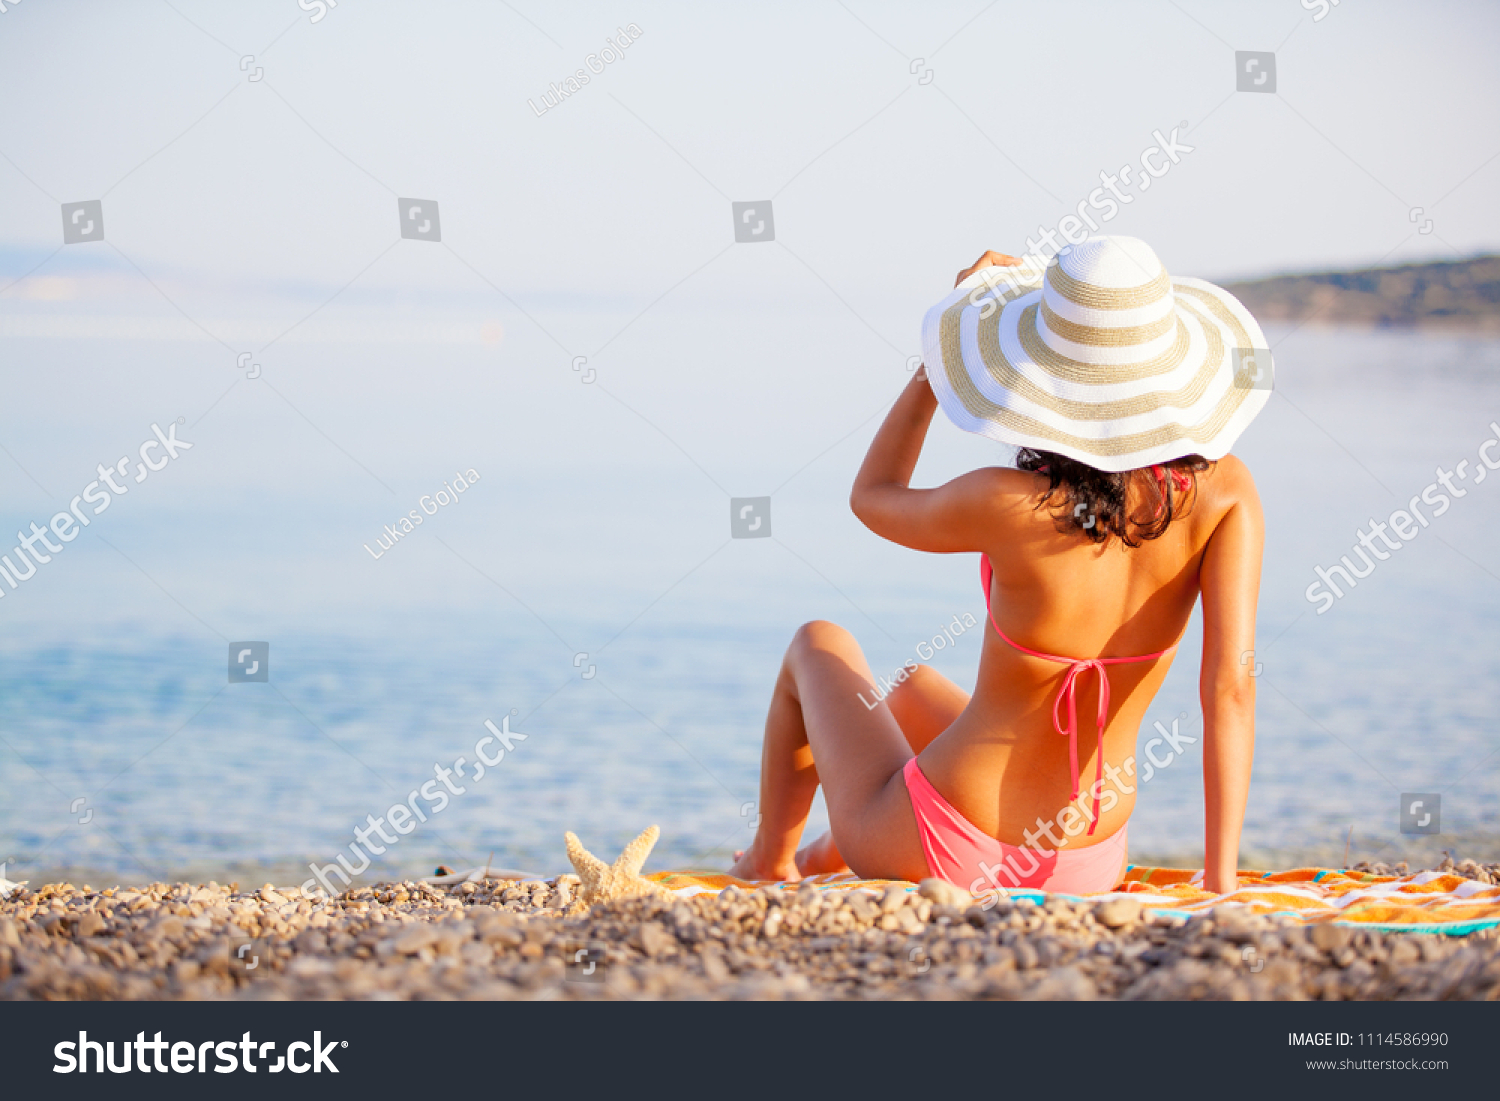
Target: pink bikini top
(1068,692)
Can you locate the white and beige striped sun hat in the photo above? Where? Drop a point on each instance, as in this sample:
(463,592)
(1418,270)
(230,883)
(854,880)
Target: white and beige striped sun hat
(1100,356)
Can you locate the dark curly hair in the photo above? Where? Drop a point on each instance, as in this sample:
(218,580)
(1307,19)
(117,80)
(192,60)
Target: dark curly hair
(1092,501)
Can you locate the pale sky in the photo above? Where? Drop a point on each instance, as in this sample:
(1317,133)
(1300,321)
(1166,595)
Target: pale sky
(883,184)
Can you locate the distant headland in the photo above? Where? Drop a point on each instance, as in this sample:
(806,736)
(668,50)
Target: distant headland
(1457,296)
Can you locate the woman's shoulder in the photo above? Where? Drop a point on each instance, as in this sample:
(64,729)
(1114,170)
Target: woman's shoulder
(1225,486)
(1005,482)
(1229,480)
(1001,491)
(1233,470)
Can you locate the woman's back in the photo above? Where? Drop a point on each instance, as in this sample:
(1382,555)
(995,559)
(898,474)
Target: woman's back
(1004,764)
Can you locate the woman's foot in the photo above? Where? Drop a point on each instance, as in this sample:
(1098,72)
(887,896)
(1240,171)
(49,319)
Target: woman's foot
(821,857)
(749,866)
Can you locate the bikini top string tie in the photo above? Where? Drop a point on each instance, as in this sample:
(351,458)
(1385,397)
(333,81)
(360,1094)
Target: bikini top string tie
(1068,693)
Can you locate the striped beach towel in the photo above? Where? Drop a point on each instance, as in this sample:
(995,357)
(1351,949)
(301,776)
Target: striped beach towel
(1423,902)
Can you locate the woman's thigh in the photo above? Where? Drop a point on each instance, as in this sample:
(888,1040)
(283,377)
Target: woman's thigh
(925,704)
(859,753)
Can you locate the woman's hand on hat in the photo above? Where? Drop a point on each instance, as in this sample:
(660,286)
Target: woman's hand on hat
(990,259)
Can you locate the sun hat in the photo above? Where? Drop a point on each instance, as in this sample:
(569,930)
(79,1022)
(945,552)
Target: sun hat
(1098,355)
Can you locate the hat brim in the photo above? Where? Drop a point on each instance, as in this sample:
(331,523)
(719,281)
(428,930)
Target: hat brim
(995,376)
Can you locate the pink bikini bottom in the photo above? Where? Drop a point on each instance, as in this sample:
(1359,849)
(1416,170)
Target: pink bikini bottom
(978,863)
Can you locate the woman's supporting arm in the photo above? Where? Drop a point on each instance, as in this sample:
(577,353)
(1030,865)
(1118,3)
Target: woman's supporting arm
(1231,586)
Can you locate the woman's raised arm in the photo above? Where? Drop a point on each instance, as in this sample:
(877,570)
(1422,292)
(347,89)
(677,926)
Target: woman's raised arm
(944,520)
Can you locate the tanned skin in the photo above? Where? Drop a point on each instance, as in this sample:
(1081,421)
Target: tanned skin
(995,755)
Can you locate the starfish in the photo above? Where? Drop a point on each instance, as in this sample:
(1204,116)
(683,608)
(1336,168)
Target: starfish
(600,882)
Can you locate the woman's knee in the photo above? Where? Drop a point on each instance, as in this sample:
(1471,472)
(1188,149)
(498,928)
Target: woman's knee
(924,704)
(918,681)
(921,690)
(820,636)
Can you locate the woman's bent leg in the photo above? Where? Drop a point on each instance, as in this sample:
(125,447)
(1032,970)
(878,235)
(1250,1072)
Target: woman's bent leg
(924,705)
(818,729)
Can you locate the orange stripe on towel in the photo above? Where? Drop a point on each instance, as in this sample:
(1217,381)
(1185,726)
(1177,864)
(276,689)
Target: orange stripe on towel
(1425,901)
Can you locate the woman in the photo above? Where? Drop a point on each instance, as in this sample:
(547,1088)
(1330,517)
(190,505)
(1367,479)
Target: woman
(1124,390)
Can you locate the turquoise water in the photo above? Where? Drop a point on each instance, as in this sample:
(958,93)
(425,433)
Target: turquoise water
(592,532)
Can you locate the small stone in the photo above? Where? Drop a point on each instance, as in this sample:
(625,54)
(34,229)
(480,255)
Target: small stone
(893,898)
(943,893)
(412,939)
(165,927)
(714,967)
(1403,951)
(862,906)
(653,939)
(1327,937)
(184,970)
(1237,927)
(1116,913)
(1066,984)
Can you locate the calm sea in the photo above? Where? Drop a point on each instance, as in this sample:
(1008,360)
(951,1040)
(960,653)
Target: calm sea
(587,589)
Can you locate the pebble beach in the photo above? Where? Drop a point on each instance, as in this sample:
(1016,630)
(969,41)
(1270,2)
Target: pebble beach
(526,940)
